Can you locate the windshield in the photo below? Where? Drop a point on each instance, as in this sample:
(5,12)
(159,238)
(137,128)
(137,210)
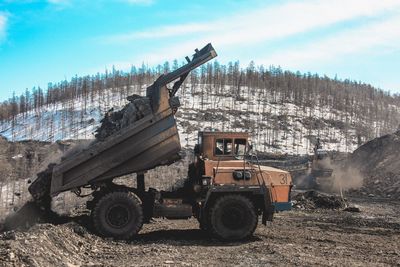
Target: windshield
(223,147)
(240,148)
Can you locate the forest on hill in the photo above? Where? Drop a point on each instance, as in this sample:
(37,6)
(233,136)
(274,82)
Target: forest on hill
(359,109)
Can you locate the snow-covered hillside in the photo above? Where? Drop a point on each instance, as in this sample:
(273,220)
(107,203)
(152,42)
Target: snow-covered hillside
(275,125)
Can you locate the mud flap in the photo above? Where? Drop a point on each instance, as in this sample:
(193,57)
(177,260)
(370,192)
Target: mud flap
(268,213)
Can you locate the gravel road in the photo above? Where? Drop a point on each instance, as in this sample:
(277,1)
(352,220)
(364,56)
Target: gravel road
(299,237)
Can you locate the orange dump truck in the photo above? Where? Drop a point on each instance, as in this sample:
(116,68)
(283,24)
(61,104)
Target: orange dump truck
(223,190)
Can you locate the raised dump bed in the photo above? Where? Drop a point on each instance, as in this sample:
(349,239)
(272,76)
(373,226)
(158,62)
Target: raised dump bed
(150,142)
(147,143)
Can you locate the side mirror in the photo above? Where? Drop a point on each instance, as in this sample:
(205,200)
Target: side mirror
(250,147)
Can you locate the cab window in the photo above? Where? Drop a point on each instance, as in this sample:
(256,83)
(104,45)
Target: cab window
(223,147)
(240,147)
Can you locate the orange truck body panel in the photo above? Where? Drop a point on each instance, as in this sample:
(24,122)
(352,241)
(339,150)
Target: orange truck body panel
(279,181)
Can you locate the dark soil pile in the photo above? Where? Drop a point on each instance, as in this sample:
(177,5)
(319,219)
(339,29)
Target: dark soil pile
(379,162)
(46,245)
(311,200)
(113,121)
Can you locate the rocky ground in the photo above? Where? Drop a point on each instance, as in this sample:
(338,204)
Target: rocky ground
(307,236)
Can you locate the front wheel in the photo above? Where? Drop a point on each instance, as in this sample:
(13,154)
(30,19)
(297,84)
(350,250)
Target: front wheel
(233,217)
(118,215)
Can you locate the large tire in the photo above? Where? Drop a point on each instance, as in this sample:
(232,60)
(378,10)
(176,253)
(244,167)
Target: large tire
(233,217)
(118,215)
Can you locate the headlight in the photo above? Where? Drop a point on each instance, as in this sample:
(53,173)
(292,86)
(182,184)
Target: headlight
(241,175)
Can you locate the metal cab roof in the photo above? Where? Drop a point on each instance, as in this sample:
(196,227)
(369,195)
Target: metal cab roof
(220,134)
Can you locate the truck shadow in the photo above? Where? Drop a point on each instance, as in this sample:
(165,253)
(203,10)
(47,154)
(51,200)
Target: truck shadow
(188,237)
(81,224)
(176,237)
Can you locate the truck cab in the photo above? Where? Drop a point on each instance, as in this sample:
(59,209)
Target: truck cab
(222,145)
(224,158)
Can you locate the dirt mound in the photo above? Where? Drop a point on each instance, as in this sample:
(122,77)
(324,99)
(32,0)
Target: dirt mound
(311,200)
(46,245)
(114,121)
(379,162)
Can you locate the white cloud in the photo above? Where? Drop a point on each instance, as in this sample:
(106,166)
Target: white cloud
(372,38)
(294,18)
(3,26)
(160,32)
(269,23)
(260,26)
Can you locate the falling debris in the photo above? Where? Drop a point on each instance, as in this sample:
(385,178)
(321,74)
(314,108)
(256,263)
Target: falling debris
(28,215)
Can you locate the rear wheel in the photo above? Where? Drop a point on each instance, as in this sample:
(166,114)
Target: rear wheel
(118,215)
(233,217)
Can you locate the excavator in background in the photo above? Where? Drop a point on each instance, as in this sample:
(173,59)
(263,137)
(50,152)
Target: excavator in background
(313,171)
(321,170)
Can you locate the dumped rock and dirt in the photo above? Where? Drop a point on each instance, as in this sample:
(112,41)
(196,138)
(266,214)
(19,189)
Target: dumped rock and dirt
(311,200)
(379,162)
(113,121)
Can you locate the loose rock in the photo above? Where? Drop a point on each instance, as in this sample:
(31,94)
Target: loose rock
(114,121)
(310,200)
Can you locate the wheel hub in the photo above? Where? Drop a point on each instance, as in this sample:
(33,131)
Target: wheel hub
(118,216)
(233,218)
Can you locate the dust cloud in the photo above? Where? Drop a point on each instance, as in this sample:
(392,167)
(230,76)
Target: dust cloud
(343,177)
(76,148)
(347,178)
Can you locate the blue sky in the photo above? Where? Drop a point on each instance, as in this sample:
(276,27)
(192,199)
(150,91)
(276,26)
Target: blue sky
(48,41)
